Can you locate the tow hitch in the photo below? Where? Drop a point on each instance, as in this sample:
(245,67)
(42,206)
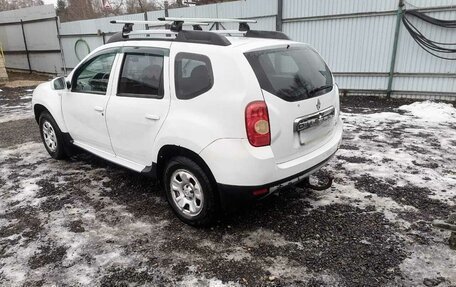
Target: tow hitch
(306,184)
(450,225)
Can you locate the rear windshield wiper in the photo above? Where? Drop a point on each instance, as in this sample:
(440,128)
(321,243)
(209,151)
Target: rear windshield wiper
(316,90)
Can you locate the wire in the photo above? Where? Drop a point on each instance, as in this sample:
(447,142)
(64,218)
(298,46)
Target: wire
(430,46)
(435,21)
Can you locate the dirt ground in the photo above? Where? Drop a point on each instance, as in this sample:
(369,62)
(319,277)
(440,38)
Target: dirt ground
(84,221)
(24,79)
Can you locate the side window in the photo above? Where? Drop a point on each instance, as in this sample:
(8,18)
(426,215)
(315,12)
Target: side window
(93,77)
(193,75)
(141,76)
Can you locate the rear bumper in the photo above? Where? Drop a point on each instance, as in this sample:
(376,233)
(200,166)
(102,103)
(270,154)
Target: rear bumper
(232,195)
(239,168)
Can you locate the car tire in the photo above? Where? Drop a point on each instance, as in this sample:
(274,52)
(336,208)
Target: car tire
(51,136)
(190,192)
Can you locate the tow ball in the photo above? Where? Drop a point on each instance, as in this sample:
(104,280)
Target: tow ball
(450,225)
(306,184)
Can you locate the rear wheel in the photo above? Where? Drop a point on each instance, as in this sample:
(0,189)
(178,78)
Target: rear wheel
(190,192)
(51,136)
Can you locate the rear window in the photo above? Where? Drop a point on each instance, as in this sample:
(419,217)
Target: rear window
(292,74)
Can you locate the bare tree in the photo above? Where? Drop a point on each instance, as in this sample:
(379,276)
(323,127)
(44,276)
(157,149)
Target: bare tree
(61,10)
(185,3)
(17,4)
(109,8)
(141,6)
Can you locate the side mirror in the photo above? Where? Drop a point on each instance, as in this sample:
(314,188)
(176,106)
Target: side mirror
(58,83)
(68,85)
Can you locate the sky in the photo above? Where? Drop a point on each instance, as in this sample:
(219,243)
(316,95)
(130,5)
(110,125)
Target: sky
(50,2)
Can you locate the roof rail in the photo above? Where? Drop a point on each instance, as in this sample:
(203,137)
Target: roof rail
(202,37)
(266,34)
(228,32)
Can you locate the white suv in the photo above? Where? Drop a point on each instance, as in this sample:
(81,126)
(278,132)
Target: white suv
(216,119)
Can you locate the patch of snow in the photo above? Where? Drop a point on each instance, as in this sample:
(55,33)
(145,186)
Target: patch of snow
(431,111)
(267,237)
(349,195)
(237,254)
(192,280)
(19,111)
(281,268)
(429,262)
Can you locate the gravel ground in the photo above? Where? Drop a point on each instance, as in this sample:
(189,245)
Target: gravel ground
(87,222)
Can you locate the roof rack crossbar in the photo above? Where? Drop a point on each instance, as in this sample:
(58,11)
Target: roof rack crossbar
(157,23)
(178,22)
(207,20)
(150,32)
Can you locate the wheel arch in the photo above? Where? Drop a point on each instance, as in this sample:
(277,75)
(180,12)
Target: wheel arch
(46,99)
(167,152)
(38,109)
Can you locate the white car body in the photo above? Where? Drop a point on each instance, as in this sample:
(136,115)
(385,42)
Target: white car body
(132,131)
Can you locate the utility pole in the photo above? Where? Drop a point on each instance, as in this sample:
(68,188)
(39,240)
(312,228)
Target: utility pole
(395,45)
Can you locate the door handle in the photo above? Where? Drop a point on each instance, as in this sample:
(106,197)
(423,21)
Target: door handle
(152,117)
(99,109)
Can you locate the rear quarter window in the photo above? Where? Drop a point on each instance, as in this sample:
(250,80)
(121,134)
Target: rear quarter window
(193,75)
(292,73)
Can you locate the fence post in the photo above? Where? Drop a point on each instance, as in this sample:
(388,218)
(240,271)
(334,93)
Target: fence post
(166,4)
(145,19)
(279,16)
(62,55)
(26,48)
(395,45)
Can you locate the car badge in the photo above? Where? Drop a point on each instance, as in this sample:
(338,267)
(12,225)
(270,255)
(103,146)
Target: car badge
(318,104)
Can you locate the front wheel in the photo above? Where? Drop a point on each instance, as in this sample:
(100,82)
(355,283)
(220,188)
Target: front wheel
(51,136)
(190,192)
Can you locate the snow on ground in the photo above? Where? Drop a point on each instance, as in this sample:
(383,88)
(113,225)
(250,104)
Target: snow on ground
(15,105)
(87,222)
(401,163)
(63,228)
(431,111)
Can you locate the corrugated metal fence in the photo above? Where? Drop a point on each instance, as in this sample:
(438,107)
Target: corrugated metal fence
(357,39)
(30,39)
(365,45)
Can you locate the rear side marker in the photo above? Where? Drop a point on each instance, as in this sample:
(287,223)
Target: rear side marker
(260,191)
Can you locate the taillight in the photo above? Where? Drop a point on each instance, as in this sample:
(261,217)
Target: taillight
(257,124)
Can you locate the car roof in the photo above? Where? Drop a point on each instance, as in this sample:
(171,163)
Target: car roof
(240,43)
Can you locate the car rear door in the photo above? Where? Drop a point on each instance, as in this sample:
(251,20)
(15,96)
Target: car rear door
(140,101)
(301,97)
